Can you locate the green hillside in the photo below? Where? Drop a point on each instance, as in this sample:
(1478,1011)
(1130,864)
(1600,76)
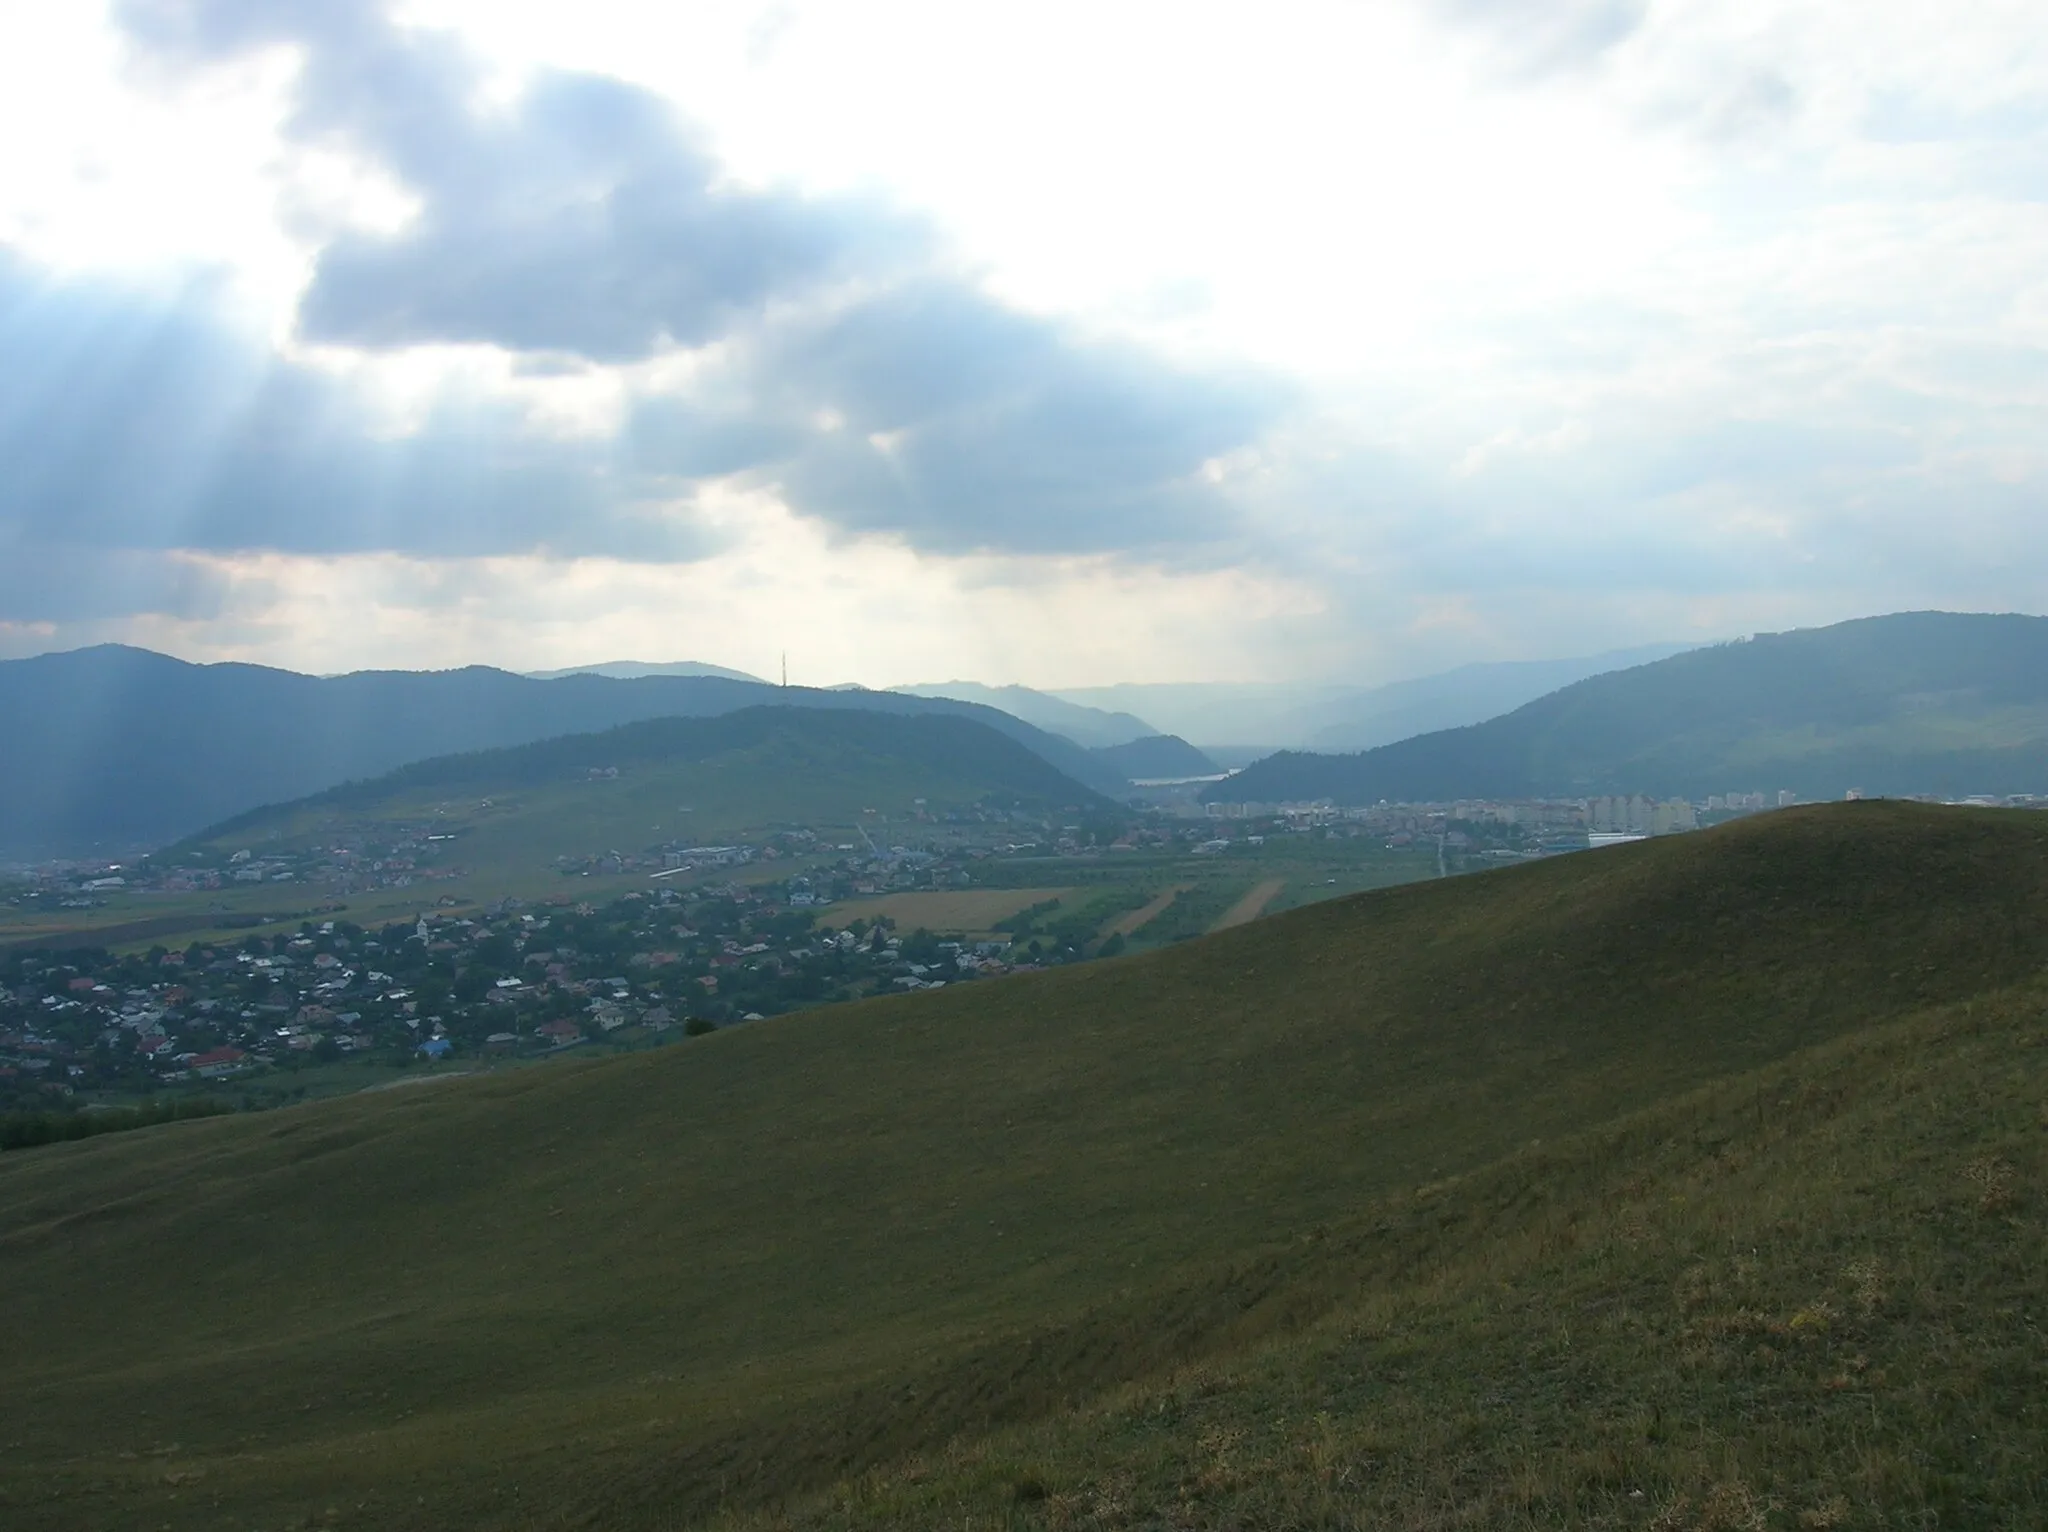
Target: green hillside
(671,779)
(1690,1184)
(1940,703)
(113,749)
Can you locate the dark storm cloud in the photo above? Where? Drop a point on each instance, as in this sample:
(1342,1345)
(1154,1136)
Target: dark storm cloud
(586,222)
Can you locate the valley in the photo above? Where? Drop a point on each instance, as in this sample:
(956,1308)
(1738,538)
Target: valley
(845,1118)
(793,767)
(334,994)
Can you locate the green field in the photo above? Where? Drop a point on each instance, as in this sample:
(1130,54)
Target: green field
(966,910)
(1692,1184)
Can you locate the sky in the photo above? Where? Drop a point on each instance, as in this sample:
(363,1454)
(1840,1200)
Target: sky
(1055,343)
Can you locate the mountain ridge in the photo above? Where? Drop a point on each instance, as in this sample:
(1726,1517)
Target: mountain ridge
(1236,716)
(124,748)
(632,670)
(1910,703)
(795,764)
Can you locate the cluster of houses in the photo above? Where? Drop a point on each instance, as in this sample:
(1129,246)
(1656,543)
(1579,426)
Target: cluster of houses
(509,979)
(393,856)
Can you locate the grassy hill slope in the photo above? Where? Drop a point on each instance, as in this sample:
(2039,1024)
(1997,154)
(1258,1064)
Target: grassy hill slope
(1374,1169)
(1917,702)
(677,778)
(1807,1296)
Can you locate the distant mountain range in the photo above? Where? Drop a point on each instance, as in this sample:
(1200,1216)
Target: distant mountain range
(1917,702)
(110,750)
(1093,727)
(1240,718)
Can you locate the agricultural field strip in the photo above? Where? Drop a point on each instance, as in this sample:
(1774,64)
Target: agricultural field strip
(1252,905)
(972,909)
(1134,921)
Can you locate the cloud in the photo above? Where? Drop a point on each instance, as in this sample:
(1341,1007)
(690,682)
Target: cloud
(584,221)
(584,217)
(1595,307)
(932,413)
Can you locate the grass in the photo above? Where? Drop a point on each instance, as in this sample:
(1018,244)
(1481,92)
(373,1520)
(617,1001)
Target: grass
(1696,1318)
(1490,1201)
(31,1130)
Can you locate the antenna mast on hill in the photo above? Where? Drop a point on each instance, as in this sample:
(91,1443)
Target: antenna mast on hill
(785,670)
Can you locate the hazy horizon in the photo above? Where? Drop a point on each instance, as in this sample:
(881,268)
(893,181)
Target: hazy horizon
(679,664)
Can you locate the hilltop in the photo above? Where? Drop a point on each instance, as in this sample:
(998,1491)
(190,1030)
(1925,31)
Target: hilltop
(1161,755)
(1918,702)
(679,780)
(122,749)
(631,670)
(1694,1180)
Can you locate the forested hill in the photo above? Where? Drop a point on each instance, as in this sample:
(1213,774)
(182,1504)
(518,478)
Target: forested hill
(1916,702)
(110,749)
(757,765)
